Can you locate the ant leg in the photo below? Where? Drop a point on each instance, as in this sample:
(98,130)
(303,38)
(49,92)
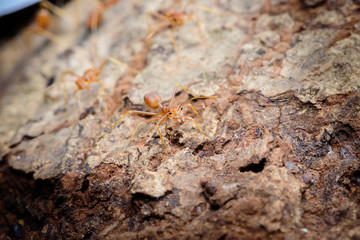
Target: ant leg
(173,41)
(198,25)
(163,118)
(197,114)
(143,122)
(210,10)
(122,64)
(173,94)
(138,112)
(94,38)
(103,87)
(118,62)
(104,90)
(53,8)
(77,99)
(62,81)
(198,127)
(207,9)
(184,88)
(94,21)
(154,30)
(190,2)
(157,15)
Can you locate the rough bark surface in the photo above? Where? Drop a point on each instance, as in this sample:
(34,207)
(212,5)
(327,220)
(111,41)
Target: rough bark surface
(283,158)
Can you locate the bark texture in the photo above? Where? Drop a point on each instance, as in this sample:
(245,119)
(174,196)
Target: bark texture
(283,158)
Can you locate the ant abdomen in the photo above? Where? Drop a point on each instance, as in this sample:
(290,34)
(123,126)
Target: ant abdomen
(152,100)
(43,18)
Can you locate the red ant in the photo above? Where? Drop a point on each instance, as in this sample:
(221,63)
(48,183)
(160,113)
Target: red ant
(173,20)
(153,101)
(43,20)
(91,75)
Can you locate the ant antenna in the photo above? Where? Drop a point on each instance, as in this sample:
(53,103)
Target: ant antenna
(190,2)
(181,105)
(95,17)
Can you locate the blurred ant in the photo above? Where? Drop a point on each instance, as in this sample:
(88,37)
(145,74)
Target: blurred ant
(90,76)
(43,21)
(172,20)
(153,101)
(95,18)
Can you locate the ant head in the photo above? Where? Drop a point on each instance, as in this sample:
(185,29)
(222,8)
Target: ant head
(178,18)
(88,77)
(176,113)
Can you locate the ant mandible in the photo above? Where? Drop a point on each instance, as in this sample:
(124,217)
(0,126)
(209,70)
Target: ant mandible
(173,20)
(153,101)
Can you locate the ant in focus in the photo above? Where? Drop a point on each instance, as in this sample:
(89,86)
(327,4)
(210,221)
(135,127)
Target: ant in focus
(153,101)
(172,20)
